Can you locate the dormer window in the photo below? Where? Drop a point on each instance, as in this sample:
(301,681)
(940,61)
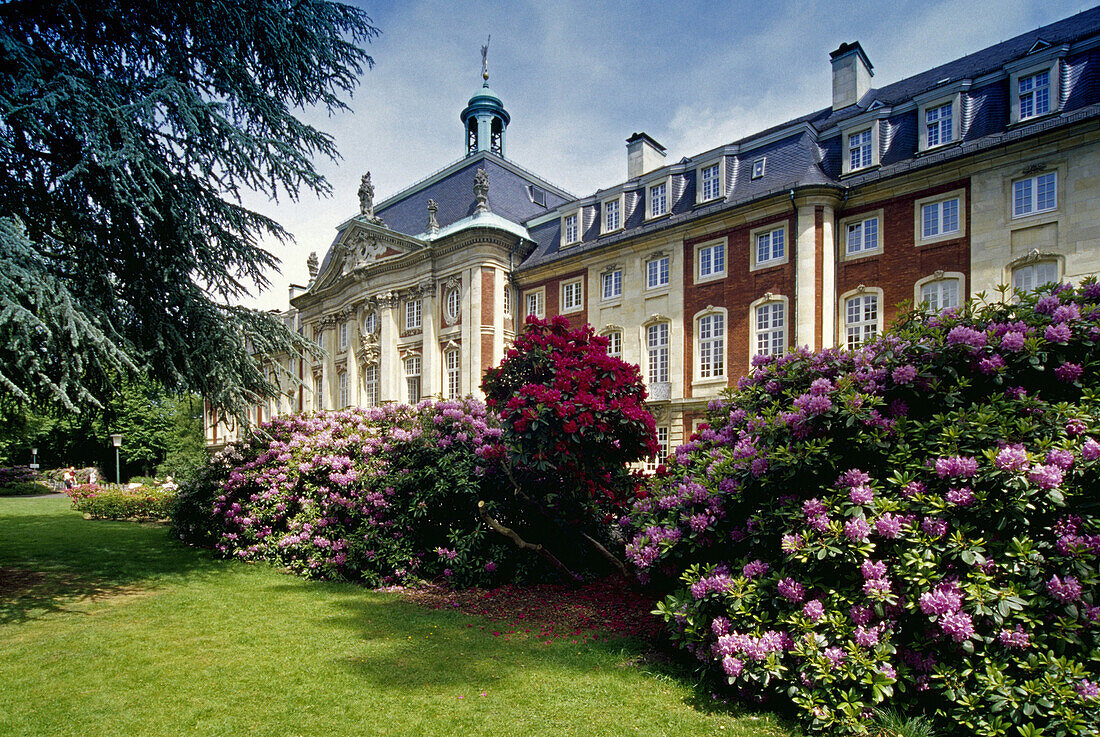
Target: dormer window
(570,229)
(758,168)
(859,150)
(612,215)
(937,123)
(1034,95)
(658,200)
(710,182)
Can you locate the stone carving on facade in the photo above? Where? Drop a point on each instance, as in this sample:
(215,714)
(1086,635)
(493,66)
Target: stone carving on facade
(369,350)
(366,200)
(366,248)
(311,265)
(1035,169)
(389,299)
(451,285)
(433,224)
(481,191)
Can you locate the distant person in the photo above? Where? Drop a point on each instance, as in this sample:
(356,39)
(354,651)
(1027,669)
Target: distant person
(68,478)
(93,476)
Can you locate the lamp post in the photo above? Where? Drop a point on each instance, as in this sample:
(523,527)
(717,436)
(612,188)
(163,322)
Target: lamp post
(34,459)
(116,440)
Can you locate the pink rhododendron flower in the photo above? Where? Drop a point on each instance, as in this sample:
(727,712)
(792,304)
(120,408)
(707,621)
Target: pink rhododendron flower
(857,529)
(957,625)
(1090,449)
(1064,590)
(814,609)
(1045,477)
(1011,458)
(790,589)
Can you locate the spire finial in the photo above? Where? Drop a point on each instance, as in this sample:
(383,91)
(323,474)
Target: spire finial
(485,60)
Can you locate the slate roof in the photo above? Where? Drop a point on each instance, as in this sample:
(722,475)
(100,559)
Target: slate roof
(509,197)
(811,155)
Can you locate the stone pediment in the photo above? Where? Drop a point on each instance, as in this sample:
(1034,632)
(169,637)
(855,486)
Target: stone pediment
(361,245)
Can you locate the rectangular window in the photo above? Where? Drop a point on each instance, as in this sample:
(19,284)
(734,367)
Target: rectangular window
(861,319)
(859,150)
(712,342)
(612,217)
(656,272)
(534,304)
(771,329)
(370,385)
(940,218)
(412,379)
(571,297)
(318,385)
(937,121)
(712,260)
(343,335)
(412,314)
(711,184)
(658,199)
(344,389)
(612,284)
(1034,95)
(615,344)
(571,229)
(1035,194)
(861,236)
(769,246)
(758,168)
(451,359)
(319,338)
(662,442)
(1031,277)
(940,295)
(657,346)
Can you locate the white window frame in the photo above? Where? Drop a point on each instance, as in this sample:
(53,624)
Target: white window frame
(719,165)
(452,305)
(1052,67)
(370,322)
(571,227)
(319,338)
(452,369)
(784,330)
(711,346)
(1033,199)
(343,333)
(572,296)
(318,392)
(957,277)
(413,366)
(650,211)
(707,258)
(342,383)
(652,462)
(614,343)
(872,152)
(922,121)
(507,300)
(664,272)
(1047,261)
(414,317)
(658,354)
(860,220)
(754,254)
(536,298)
(611,285)
(370,385)
(620,205)
(865,292)
(941,235)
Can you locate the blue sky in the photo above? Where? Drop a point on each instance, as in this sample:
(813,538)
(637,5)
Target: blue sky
(579,77)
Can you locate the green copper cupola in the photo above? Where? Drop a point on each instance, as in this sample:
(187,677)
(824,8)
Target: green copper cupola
(484,119)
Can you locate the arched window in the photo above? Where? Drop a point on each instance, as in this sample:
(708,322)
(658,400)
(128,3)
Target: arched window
(657,352)
(710,336)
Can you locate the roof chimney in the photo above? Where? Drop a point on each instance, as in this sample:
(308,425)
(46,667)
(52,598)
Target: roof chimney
(643,155)
(852,72)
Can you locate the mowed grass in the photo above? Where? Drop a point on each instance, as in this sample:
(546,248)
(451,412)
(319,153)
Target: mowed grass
(111,628)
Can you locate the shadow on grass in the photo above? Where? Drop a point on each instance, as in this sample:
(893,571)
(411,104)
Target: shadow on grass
(52,559)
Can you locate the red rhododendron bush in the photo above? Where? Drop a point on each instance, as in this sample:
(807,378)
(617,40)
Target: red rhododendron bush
(910,525)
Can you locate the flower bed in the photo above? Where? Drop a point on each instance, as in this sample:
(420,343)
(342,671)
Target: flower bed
(912,524)
(113,502)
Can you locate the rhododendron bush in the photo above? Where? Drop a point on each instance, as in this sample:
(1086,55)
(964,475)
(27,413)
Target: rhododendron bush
(573,418)
(378,495)
(913,525)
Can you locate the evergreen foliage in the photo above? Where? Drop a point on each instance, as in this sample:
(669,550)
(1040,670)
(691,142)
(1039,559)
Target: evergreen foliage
(128,131)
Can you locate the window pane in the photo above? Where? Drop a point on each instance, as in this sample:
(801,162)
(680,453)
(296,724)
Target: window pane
(930,217)
(1021,197)
(1046,192)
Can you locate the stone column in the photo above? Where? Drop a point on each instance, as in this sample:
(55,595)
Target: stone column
(429,350)
(805,299)
(389,363)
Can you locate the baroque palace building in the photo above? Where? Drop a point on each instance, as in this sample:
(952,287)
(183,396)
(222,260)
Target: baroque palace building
(981,172)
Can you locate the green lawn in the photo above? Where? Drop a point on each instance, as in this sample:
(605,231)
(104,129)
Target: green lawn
(109,628)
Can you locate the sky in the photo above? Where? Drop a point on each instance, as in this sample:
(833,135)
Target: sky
(579,77)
